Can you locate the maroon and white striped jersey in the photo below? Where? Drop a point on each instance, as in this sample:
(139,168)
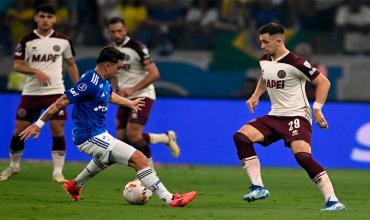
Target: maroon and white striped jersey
(285,80)
(44,53)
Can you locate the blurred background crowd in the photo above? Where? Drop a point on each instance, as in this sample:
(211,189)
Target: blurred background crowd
(219,32)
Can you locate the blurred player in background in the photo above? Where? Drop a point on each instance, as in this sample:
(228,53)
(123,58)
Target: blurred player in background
(284,75)
(90,97)
(133,81)
(39,56)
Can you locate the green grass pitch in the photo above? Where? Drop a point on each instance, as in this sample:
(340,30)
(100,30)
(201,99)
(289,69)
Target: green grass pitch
(32,195)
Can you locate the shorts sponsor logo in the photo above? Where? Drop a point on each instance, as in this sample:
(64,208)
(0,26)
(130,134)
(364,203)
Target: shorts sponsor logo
(22,112)
(134,115)
(82,87)
(281,74)
(56,48)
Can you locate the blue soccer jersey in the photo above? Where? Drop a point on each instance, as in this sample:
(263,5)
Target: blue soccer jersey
(90,97)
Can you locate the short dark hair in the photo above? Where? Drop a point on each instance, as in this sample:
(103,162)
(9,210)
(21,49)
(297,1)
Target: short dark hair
(45,8)
(271,29)
(116,20)
(110,54)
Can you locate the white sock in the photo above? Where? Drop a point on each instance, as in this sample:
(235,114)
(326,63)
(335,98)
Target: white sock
(252,167)
(158,138)
(91,169)
(58,161)
(323,182)
(15,159)
(151,164)
(152,182)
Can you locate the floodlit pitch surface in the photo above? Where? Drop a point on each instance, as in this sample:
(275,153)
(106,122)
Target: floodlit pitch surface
(32,195)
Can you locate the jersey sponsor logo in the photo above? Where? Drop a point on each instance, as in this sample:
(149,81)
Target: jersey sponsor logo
(73,92)
(278,84)
(56,48)
(44,57)
(101,108)
(312,71)
(307,64)
(281,74)
(82,87)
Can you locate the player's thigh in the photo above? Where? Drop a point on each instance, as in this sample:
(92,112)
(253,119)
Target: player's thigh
(134,131)
(252,133)
(57,128)
(20,126)
(300,146)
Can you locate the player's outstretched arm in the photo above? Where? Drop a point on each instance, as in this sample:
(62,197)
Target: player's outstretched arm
(135,104)
(322,89)
(34,129)
(252,102)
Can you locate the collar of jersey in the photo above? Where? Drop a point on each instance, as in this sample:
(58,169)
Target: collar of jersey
(41,36)
(124,42)
(281,57)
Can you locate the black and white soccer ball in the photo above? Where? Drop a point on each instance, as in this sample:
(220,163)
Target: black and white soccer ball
(136,193)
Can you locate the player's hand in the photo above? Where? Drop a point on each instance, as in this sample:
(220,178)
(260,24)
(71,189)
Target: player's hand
(252,103)
(29,131)
(319,118)
(124,92)
(137,104)
(43,78)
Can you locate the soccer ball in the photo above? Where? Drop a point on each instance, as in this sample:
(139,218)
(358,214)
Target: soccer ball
(136,193)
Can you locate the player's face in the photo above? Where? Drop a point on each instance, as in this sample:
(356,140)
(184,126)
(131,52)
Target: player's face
(270,43)
(117,32)
(114,68)
(45,21)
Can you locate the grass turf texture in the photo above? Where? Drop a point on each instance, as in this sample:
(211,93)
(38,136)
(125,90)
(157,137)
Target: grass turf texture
(32,195)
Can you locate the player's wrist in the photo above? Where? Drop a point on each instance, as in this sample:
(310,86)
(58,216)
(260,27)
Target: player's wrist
(317,106)
(39,123)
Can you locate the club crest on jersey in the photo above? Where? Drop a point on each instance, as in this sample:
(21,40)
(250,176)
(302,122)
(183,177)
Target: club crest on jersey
(56,48)
(281,74)
(82,87)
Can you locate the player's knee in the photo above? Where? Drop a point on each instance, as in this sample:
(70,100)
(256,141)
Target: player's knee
(59,144)
(16,144)
(306,161)
(243,145)
(138,161)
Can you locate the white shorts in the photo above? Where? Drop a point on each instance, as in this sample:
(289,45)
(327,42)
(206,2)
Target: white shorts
(101,147)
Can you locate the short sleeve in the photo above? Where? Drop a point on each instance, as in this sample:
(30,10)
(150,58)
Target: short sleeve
(69,51)
(82,89)
(20,50)
(144,55)
(307,69)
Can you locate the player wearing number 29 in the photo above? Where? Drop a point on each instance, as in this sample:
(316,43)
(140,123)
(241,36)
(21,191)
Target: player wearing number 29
(284,75)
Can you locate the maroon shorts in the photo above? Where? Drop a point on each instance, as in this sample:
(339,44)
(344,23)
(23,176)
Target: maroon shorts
(125,115)
(30,107)
(290,129)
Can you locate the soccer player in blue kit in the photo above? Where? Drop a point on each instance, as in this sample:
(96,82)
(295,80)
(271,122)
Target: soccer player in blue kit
(90,96)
